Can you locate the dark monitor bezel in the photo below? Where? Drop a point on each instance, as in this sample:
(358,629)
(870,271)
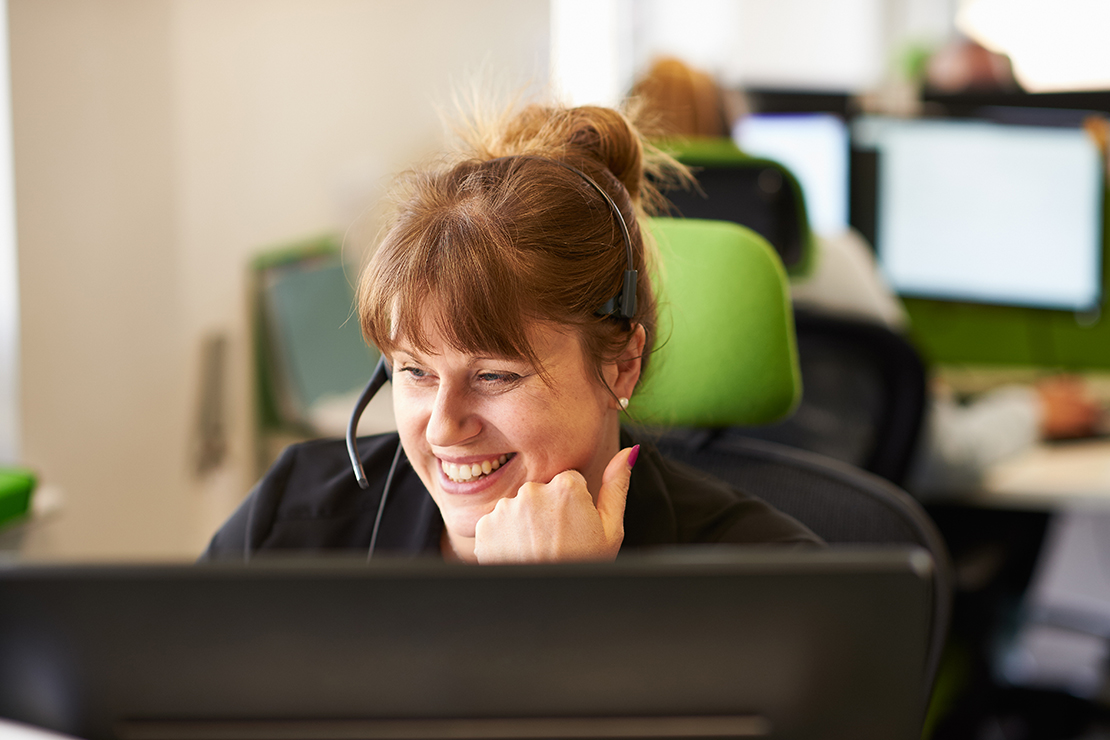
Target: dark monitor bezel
(701,643)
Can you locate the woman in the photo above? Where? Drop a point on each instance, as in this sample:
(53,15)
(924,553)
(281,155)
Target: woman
(505,297)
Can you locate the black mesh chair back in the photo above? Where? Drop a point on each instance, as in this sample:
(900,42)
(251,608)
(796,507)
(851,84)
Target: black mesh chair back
(840,503)
(757,195)
(863,396)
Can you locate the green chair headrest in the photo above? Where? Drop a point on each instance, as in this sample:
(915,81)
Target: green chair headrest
(725,352)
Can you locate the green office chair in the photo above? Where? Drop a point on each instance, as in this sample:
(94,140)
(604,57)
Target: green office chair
(754,192)
(721,286)
(725,356)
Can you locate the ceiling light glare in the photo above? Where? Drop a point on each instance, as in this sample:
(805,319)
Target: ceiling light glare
(1054,45)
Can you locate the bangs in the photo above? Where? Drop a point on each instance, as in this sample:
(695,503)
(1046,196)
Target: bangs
(481,252)
(457,275)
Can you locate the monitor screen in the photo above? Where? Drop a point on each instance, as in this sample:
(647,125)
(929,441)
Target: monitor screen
(733,642)
(814,146)
(986,212)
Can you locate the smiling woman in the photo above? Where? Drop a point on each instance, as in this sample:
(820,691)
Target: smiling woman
(509,295)
(477,429)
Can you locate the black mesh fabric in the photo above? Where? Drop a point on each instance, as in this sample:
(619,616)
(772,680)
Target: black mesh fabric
(840,503)
(753,194)
(863,396)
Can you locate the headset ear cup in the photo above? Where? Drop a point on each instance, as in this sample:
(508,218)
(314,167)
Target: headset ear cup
(628,294)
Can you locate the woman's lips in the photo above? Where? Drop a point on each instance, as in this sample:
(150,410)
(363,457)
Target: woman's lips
(468,471)
(454,484)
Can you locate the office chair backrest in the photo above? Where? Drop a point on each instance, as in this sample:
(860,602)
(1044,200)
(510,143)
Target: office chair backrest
(726,346)
(864,395)
(758,193)
(839,502)
(725,321)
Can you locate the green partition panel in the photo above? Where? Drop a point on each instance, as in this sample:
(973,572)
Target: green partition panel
(307,338)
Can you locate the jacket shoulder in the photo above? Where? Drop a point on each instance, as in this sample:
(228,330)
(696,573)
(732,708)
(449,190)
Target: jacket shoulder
(309,499)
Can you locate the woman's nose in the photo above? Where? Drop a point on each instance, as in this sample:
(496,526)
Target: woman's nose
(453,420)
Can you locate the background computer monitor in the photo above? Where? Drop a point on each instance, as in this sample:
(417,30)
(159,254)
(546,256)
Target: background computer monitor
(988,213)
(814,146)
(731,642)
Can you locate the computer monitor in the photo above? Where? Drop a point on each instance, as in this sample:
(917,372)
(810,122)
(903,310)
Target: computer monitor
(984,212)
(735,642)
(814,146)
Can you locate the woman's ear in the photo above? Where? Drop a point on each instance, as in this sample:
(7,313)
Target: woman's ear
(628,364)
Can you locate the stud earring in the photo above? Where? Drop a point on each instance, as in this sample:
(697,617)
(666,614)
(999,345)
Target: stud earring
(624,403)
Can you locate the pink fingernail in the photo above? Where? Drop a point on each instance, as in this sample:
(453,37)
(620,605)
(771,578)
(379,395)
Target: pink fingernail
(633,455)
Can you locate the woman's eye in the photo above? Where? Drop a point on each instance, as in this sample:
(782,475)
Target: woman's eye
(414,372)
(498,378)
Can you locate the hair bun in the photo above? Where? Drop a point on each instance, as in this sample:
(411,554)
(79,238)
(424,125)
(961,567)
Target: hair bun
(607,137)
(592,138)
(587,137)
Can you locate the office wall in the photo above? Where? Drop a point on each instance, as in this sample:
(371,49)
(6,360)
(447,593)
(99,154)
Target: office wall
(102,362)
(9,277)
(786,42)
(157,146)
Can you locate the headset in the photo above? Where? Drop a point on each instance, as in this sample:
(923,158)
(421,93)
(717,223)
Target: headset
(620,306)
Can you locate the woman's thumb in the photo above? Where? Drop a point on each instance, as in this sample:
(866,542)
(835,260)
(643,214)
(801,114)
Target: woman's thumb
(614,490)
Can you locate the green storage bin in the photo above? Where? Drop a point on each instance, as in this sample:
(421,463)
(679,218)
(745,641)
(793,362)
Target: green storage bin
(16,487)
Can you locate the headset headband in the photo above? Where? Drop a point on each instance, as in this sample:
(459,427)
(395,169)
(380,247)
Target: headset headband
(623,304)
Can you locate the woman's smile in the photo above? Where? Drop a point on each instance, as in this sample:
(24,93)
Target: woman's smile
(472,474)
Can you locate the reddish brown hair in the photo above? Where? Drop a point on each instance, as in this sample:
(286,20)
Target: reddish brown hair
(504,236)
(683,101)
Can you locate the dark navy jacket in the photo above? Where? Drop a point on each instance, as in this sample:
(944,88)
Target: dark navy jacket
(309,500)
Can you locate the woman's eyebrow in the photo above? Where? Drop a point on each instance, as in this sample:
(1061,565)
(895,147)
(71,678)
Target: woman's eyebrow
(498,358)
(517,362)
(410,354)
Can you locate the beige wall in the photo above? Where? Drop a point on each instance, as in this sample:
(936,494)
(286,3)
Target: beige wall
(160,143)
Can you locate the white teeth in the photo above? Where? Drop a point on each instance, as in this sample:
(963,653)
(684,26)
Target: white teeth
(472,471)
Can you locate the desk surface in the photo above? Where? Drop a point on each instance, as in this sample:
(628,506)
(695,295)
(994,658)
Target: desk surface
(1055,475)
(1051,475)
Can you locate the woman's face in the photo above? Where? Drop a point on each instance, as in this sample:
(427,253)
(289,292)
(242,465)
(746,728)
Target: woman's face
(477,428)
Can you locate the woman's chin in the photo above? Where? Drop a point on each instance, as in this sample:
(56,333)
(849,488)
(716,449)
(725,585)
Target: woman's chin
(461,525)
(461,519)
(463,503)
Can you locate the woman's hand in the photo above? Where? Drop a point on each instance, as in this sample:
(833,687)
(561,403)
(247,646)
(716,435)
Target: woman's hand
(1067,408)
(558,520)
